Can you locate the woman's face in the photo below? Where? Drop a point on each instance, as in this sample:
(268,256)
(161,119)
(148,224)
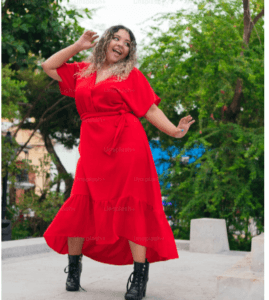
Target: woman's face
(121,42)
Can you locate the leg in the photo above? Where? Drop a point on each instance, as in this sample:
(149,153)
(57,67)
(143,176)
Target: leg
(75,245)
(74,263)
(138,252)
(138,287)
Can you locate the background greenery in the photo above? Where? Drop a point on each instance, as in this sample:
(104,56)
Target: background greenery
(210,61)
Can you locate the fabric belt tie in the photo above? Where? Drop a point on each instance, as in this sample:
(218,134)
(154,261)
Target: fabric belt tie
(120,123)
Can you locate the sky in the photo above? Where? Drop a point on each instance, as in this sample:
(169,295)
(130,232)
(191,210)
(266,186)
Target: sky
(130,13)
(133,14)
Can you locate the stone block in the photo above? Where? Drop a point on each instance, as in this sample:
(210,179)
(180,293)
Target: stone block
(257,251)
(208,235)
(239,282)
(183,245)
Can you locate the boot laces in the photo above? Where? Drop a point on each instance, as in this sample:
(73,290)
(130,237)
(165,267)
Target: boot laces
(74,273)
(136,280)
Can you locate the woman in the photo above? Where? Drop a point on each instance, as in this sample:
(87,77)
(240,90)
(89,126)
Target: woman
(114,214)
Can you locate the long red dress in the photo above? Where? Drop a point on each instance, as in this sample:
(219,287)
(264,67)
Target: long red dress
(116,194)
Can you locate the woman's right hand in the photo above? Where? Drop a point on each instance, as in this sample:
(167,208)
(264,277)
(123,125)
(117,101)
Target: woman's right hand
(85,41)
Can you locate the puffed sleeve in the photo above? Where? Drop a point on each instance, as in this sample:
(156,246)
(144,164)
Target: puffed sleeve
(68,84)
(138,94)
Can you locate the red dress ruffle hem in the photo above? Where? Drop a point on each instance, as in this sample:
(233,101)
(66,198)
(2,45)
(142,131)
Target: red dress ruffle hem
(116,194)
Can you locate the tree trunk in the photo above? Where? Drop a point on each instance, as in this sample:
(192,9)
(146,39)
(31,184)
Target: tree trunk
(60,168)
(234,109)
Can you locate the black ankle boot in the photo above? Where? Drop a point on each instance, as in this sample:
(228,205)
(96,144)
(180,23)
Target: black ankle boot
(139,281)
(75,269)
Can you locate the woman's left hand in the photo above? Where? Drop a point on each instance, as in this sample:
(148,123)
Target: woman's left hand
(184,124)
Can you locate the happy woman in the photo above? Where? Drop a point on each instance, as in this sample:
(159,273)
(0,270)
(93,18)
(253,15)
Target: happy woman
(114,214)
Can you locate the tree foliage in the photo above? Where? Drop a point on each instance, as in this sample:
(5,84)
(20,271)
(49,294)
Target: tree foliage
(38,27)
(12,94)
(32,32)
(210,61)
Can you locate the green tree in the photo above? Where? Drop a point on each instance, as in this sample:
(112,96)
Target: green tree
(12,94)
(33,31)
(44,207)
(210,61)
(38,27)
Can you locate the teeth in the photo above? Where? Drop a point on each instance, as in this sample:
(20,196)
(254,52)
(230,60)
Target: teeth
(117,51)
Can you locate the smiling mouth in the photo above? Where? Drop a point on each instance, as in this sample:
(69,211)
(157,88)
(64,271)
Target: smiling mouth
(116,52)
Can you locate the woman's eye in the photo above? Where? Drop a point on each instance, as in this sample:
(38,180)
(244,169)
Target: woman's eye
(118,38)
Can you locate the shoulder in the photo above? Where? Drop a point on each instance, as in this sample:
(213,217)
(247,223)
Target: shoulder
(137,73)
(80,67)
(131,78)
(82,64)
(76,65)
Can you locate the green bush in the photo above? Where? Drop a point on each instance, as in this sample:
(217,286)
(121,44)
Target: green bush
(21,230)
(226,182)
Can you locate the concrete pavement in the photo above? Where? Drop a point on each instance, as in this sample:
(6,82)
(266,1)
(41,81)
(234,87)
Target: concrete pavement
(38,274)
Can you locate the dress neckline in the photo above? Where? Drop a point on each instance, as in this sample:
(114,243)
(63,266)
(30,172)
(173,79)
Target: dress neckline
(95,77)
(111,78)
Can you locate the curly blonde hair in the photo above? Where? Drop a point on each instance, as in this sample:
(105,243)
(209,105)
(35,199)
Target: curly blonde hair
(122,68)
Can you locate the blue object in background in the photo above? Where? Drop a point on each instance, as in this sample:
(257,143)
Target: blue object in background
(159,154)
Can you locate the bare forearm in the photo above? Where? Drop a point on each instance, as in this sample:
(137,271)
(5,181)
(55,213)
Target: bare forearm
(60,57)
(157,118)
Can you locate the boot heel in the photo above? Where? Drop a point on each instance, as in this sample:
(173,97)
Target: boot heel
(147,277)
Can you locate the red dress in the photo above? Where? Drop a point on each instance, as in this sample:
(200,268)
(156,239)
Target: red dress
(116,194)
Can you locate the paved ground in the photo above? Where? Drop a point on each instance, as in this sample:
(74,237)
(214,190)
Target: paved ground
(41,277)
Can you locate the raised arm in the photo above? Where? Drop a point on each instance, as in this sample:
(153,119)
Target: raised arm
(157,118)
(56,60)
